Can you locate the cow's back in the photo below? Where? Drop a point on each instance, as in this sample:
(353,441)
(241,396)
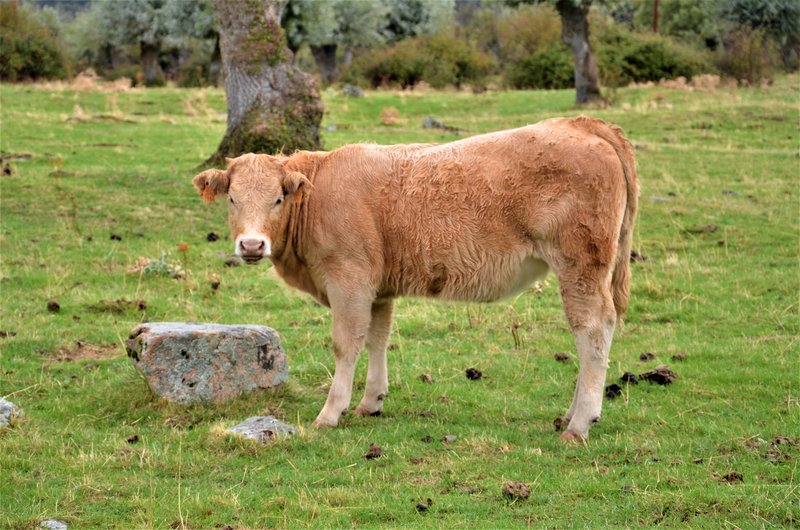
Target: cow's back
(459,220)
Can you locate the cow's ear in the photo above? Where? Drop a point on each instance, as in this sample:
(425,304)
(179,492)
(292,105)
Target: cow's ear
(294,181)
(210,183)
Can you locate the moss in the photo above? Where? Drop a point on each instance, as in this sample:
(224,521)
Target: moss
(276,126)
(264,41)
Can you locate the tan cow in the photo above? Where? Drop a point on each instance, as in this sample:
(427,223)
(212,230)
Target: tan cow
(478,219)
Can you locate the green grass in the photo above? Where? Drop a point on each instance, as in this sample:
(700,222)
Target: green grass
(728,298)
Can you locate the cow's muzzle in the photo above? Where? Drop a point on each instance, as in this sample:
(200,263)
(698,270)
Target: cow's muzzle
(253,249)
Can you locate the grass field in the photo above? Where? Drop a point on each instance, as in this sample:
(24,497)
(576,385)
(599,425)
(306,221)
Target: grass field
(718,224)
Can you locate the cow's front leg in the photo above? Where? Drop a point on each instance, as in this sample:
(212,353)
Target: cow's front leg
(351,317)
(377,387)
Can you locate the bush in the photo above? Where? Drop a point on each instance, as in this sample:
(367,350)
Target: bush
(439,60)
(28,49)
(552,67)
(624,57)
(511,34)
(748,54)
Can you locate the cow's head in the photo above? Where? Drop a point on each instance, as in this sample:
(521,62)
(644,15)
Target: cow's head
(260,192)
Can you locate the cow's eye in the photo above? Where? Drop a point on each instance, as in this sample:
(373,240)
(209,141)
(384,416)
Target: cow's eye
(278,201)
(230,199)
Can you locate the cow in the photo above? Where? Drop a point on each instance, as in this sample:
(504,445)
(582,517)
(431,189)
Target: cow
(478,219)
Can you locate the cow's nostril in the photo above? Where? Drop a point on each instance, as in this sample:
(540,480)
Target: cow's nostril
(251,247)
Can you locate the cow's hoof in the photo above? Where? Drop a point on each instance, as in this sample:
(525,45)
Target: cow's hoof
(321,423)
(363,411)
(573,437)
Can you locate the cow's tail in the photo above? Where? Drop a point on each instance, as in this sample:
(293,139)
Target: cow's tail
(621,276)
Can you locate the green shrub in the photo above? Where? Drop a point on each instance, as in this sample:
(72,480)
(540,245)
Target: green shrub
(125,70)
(748,54)
(551,67)
(438,60)
(28,49)
(193,75)
(624,57)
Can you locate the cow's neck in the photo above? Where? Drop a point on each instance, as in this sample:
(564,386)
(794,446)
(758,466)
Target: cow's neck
(290,263)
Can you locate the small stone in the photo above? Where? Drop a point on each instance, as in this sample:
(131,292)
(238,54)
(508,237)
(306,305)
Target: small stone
(449,438)
(263,428)
(53,524)
(661,375)
(132,439)
(426,378)
(422,507)
(211,237)
(373,452)
(473,374)
(353,91)
(8,411)
(513,490)
(613,391)
(561,357)
(192,362)
(647,356)
(427,439)
(53,306)
(629,377)
(116,237)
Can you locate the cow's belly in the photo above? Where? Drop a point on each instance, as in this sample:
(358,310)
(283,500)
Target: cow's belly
(531,270)
(496,281)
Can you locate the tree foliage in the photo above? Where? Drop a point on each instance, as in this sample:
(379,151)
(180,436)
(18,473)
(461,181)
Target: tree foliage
(410,18)
(28,48)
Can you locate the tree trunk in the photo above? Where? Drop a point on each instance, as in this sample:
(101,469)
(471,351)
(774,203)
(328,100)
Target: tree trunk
(655,16)
(272,105)
(215,68)
(152,74)
(575,34)
(325,57)
(347,56)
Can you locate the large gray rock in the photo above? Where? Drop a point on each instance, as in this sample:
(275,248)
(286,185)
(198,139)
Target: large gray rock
(8,411)
(263,428)
(191,362)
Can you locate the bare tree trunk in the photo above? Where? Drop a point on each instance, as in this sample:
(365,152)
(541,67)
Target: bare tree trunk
(152,73)
(325,57)
(215,68)
(347,57)
(655,16)
(272,105)
(575,34)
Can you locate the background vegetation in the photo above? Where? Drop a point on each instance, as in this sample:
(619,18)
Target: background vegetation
(96,179)
(496,43)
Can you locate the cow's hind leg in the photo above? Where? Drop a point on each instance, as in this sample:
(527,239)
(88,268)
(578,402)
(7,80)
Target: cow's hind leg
(377,387)
(351,318)
(591,315)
